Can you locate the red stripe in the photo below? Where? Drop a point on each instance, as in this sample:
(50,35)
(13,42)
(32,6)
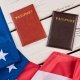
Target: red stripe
(60,64)
(29,71)
(76,75)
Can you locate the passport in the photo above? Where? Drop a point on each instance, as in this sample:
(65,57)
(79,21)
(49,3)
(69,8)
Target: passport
(28,25)
(62,30)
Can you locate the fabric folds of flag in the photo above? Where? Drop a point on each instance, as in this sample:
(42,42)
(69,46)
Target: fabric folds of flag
(24,69)
(57,67)
(76,75)
(8,49)
(28,71)
(13,63)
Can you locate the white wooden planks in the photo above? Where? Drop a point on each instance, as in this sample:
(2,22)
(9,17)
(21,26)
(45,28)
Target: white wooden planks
(3,2)
(38,51)
(44,8)
(76,54)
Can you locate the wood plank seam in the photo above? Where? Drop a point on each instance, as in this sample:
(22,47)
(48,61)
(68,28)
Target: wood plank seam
(51,16)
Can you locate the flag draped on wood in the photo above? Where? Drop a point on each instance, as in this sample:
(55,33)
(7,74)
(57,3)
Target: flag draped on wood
(57,67)
(8,50)
(13,62)
(12,71)
(28,71)
(15,66)
(24,69)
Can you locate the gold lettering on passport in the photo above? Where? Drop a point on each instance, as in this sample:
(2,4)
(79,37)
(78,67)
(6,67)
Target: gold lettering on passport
(65,19)
(24,14)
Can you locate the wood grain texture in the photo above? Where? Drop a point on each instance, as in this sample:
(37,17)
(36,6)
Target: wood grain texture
(76,54)
(38,51)
(44,8)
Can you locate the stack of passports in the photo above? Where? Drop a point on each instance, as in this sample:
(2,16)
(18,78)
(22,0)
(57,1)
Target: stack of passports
(62,30)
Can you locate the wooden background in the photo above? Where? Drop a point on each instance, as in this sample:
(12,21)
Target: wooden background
(38,52)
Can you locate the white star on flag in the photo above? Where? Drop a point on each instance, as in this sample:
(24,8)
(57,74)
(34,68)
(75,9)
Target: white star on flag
(2,55)
(11,67)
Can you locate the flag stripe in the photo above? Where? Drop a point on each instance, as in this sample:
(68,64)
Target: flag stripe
(29,71)
(60,64)
(76,75)
(41,75)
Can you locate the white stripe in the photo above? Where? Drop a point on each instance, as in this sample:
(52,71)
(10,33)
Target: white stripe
(41,75)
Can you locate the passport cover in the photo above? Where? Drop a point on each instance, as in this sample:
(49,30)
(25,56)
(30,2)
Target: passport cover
(28,25)
(62,30)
